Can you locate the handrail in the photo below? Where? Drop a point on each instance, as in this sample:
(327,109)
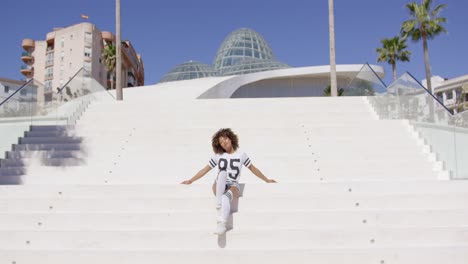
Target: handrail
(59,90)
(18,90)
(435,98)
(349,85)
(380,79)
(69,80)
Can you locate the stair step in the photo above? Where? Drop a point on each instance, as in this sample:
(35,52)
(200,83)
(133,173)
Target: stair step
(12,163)
(11,172)
(54,133)
(456,254)
(34,147)
(241,220)
(265,239)
(251,190)
(50,140)
(43,153)
(50,128)
(42,161)
(62,202)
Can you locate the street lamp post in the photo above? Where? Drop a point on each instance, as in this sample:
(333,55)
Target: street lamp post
(118,44)
(331,21)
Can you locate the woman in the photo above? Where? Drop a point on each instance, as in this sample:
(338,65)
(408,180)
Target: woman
(229,162)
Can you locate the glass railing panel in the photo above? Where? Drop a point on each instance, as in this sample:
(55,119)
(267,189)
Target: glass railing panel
(34,104)
(365,83)
(461,144)
(15,116)
(407,99)
(72,99)
(429,117)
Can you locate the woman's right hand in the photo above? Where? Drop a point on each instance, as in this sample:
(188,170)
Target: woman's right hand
(186,182)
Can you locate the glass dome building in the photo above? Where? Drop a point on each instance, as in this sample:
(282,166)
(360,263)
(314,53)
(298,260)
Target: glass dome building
(245,49)
(189,70)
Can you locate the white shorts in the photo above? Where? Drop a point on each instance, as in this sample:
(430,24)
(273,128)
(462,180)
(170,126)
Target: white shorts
(229,184)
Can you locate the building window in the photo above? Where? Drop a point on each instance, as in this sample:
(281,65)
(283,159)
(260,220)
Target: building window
(87,66)
(71,36)
(440,96)
(49,59)
(23,91)
(88,37)
(449,95)
(7,89)
(48,85)
(50,73)
(87,52)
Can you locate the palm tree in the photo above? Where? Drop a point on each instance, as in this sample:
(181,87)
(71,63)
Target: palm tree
(327,91)
(393,50)
(109,59)
(331,25)
(424,23)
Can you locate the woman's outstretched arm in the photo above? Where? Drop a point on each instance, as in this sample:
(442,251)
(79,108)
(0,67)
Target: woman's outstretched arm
(259,174)
(197,176)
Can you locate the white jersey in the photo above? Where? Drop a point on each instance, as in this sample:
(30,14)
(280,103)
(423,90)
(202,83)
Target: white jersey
(232,163)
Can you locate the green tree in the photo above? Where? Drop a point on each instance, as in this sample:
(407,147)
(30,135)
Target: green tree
(462,99)
(109,59)
(393,50)
(360,87)
(327,91)
(424,23)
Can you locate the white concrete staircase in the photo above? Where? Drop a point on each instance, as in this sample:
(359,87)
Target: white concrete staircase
(352,189)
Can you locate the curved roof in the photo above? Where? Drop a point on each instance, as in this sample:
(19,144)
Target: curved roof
(189,70)
(250,65)
(240,44)
(226,88)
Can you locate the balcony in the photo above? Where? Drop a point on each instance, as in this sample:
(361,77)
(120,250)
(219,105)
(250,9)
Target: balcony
(27,70)
(50,37)
(49,76)
(49,63)
(27,57)
(108,36)
(28,44)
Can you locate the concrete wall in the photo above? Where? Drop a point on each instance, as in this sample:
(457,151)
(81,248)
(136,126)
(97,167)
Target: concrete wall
(288,87)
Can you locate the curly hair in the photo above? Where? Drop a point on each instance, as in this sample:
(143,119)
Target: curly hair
(224,132)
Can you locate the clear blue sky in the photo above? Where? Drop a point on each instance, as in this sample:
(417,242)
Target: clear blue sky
(167,33)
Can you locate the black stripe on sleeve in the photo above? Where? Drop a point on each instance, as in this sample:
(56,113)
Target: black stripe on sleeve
(246,161)
(211,164)
(248,164)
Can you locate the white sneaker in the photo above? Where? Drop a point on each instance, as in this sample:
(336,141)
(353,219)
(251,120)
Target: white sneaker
(221,228)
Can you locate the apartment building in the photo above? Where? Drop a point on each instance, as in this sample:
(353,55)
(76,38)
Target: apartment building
(453,93)
(65,51)
(8,87)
